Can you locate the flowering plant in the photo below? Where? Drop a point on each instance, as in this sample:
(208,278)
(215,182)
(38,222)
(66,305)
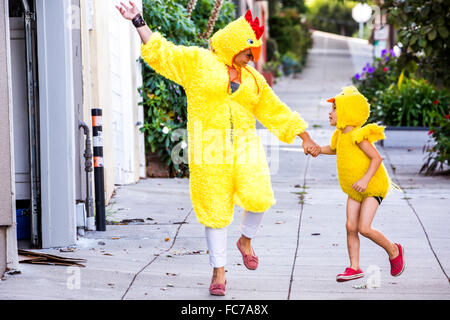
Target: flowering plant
(377,76)
(438,148)
(409,102)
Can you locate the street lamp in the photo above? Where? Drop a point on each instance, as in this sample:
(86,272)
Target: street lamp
(361,13)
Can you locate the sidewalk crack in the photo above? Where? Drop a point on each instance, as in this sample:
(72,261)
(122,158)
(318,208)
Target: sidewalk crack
(158,255)
(417,216)
(302,203)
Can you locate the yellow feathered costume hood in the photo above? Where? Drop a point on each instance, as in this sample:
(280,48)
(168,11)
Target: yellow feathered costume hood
(240,35)
(352,108)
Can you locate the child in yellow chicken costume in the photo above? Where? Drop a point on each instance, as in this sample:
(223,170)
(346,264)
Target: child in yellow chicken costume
(226,158)
(362,176)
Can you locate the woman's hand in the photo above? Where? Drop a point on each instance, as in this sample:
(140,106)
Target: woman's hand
(309,146)
(128,13)
(360,185)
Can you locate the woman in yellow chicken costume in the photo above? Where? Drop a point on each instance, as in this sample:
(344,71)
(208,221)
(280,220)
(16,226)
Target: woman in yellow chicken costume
(362,177)
(227,162)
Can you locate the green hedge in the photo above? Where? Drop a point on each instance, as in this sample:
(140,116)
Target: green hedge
(293,40)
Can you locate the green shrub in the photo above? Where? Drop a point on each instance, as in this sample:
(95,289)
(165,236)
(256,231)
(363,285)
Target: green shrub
(423,29)
(438,149)
(201,13)
(293,39)
(299,5)
(274,65)
(272,49)
(332,16)
(410,103)
(290,64)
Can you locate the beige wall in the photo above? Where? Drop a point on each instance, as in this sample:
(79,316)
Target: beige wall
(96,82)
(98,87)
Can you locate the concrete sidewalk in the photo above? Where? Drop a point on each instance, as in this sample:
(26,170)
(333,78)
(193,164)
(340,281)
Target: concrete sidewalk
(161,252)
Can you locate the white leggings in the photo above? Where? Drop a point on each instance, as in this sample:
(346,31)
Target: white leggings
(216,239)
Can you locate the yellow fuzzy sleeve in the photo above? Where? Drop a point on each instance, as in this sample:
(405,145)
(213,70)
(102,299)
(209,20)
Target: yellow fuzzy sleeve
(276,116)
(174,62)
(334,139)
(372,132)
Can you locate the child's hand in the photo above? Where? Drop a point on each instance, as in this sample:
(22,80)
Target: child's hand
(360,185)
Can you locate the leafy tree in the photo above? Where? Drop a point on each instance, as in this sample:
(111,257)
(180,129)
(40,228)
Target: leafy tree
(296,4)
(290,33)
(333,16)
(200,15)
(423,30)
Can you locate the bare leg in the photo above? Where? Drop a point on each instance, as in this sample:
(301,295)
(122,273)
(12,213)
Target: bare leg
(369,207)
(246,244)
(353,208)
(219,275)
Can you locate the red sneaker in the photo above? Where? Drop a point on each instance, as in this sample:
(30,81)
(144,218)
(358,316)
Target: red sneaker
(349,274)
(398,263)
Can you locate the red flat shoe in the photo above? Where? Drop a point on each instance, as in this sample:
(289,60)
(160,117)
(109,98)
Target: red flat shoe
(349,274)
(250,260)
(217,289)
(398,263)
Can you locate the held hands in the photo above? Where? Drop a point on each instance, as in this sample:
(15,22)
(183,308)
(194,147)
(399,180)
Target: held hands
(310,147)
(128,13)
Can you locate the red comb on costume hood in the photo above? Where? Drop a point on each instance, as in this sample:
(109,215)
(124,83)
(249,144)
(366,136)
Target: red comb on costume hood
(259,30)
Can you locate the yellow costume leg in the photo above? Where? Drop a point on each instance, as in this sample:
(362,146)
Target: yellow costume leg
(211,188)
(253,190)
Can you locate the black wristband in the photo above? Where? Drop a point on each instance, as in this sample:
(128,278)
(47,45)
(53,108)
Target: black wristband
(138,21)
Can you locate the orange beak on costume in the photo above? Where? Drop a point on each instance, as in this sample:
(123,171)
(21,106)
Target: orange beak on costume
(331,100)
(256,52)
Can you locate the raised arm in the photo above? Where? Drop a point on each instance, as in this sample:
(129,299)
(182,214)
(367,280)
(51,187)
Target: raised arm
(132,13)
(174,62)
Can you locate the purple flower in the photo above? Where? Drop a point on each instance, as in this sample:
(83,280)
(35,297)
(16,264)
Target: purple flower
(366,67)
(370,70)
(357,76)
(383,52)
(392,52)
(386,58)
